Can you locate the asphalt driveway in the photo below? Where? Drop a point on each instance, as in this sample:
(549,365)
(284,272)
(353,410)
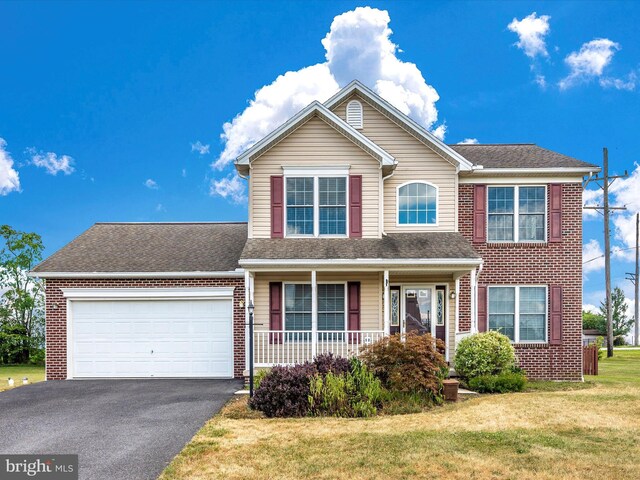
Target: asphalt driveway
(121,429)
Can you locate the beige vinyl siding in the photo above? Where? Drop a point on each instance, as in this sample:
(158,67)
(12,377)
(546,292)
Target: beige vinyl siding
(315,143)
(370,294)
(416,161)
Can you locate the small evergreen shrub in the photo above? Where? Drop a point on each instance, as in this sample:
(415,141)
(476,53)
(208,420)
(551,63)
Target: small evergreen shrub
(501,383)
(354,393)
(327,362)
(412,364)
(489,353)
(284,391)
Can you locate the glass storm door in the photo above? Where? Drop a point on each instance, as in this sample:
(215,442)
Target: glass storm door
(419,310)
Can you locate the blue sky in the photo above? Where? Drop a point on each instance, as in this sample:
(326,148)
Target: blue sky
(96,99)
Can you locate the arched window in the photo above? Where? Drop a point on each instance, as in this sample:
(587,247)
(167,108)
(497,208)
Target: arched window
(354,114)
(417,204)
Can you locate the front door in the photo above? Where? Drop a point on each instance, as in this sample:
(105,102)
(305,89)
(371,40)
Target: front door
(419,310)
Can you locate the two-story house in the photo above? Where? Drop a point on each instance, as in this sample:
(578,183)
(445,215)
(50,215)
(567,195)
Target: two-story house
(360,224)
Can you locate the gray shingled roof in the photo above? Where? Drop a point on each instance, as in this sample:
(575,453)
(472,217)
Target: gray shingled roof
(151,247)
(525,155)
(393,246)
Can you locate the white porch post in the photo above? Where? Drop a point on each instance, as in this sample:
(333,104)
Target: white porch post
(314,314)
(474,302)
(387,304)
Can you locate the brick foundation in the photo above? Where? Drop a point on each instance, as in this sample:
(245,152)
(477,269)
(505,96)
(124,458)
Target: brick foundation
(542,264)
(56,314)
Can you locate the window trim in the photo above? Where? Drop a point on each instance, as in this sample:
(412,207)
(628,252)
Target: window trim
(420,225)
(516,331)
(316,175)
(516,213)
(323,282)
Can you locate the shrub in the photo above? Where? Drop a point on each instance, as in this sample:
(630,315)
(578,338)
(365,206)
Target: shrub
(402,403)
(501,383)
(356,393)
(489,353)
(327,362)
(284,391)
(259,376)
(412,364)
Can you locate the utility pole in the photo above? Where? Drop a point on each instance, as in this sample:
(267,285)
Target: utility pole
(633,277)
(606,183)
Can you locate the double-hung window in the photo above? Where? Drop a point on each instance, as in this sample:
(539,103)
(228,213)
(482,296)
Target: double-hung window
(516,214)
(316,206)
(519,312)
(331,309)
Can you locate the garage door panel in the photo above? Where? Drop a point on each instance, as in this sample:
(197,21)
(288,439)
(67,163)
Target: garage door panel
(155,338)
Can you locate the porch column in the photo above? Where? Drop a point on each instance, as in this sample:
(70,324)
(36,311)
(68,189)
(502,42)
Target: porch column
(387,304)
(314,314)
(474,303)
(248,297)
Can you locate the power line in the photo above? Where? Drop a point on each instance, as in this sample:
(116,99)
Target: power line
(601,256)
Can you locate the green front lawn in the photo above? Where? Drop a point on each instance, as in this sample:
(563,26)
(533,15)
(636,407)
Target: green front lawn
(552,431)
(18,372)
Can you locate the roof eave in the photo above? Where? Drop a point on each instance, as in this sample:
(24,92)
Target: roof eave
(237,273)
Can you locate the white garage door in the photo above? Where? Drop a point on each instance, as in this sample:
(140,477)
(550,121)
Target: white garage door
(151,338)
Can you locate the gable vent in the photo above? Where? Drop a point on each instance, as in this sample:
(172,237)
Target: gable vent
(354,114)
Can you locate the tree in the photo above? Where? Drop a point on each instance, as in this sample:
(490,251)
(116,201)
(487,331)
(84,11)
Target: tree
(594,321)
(22,300)
(621,323)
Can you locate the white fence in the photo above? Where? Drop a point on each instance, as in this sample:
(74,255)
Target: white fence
(281,347)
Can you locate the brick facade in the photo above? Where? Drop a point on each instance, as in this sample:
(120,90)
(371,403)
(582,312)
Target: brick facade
(56,314)
(535,263)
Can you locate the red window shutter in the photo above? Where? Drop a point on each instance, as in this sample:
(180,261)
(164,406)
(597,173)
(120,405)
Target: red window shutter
(275,311)
(555,335)
(483,321)
(479,213)
(353,307)
(355,206)
(555,212)
(277,206)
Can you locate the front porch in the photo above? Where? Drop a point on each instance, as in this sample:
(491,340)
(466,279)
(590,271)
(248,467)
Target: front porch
(301,314)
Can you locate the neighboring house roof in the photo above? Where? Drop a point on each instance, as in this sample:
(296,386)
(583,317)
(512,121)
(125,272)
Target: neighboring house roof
(399,118)
(592,331)
(519,156)
(430,247)
(149,248)
(313,109)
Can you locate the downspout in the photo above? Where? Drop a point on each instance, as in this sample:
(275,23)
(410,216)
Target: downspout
(381,206)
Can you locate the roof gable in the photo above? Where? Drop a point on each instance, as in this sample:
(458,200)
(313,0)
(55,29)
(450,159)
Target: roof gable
(388,110)
(319,110)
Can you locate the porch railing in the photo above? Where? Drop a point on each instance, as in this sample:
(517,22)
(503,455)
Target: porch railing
(283,347)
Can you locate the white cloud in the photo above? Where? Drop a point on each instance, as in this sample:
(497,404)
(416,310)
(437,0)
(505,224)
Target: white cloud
(151,184)
(589,62)
(591,198)
(619,84)
(9,178)
(184,173)
(160,208)
(200,148)
(469,141)
(588,307)
(541,81)
(592,257)
(531,31)
(624,191)
(51,162)
(230,188)
(358,46)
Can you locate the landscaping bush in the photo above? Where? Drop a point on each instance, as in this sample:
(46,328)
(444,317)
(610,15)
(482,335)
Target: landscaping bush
(284,391)
(327,362)
(412,364)
(489,353)
(354,393)
(259,376)
(501,383)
